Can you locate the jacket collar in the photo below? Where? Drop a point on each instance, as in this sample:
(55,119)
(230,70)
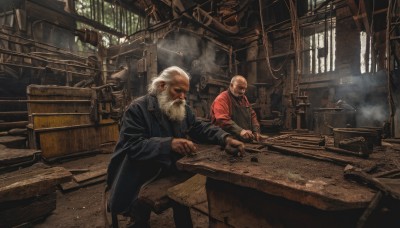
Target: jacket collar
(153,106)
(152,103)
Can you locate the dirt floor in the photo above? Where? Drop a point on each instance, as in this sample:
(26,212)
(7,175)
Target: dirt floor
(83,207)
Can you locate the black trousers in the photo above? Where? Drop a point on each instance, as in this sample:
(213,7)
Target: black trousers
(182,217)
(140,213)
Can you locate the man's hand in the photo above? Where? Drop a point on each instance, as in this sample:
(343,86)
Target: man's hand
(247,134)
(234,147)
(183,146)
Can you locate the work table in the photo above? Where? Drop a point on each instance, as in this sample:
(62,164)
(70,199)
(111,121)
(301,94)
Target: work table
(313,181)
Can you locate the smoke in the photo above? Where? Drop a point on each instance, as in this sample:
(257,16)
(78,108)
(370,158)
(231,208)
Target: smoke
(372,114)
(188,52)
(174,51)
(368,94)
(207,58)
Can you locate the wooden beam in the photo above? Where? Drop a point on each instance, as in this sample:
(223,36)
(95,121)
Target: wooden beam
(361,16)
(10,125)
(353,7)
(354,10)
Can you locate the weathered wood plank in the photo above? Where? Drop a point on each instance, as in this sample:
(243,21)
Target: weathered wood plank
(395,140)
(237,206)
(70,107)
(32,181)
(155,193)
(18,131)
(10,125)
(62,142)
(57,91)
(13,141)
(49,120)
(191,193)
(39,92)
(314,183)
(317,154)
(14,113)
(10,156)
(28,210)
(72,185)
(90,175)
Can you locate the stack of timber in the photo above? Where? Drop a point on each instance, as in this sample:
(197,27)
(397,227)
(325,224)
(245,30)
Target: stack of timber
(393,143)
(67,120)
(11,158)
(13,113)
(13,121)
(28,195)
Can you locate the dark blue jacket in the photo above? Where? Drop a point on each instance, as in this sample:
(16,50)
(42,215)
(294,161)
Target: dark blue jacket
(144,147)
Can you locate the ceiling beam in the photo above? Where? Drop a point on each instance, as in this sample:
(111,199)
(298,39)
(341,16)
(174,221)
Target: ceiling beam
(368,18)
(354,10)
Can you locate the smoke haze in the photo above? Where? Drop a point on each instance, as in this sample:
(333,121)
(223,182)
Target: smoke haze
(188,51)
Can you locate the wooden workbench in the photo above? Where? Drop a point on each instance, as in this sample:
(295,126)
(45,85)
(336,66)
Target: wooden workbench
(270,189)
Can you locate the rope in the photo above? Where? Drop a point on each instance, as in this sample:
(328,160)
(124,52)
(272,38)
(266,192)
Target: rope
(264,39)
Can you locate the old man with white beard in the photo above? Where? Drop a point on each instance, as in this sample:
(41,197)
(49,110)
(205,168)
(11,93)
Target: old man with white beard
(157,130)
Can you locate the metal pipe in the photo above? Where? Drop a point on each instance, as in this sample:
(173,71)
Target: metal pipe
(41,45)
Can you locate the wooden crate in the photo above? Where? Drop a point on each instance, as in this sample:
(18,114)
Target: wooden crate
(58,99)
(70,140)
(60,123)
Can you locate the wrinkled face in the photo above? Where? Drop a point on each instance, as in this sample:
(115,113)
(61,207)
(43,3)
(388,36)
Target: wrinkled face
(178,88)
(238,87)
(172,98)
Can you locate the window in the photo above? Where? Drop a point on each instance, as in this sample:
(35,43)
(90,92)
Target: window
(109,14)
(7,19)
(312,4)
(365,53)
(319,55)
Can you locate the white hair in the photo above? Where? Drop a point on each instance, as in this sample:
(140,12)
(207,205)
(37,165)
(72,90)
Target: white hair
(166,76)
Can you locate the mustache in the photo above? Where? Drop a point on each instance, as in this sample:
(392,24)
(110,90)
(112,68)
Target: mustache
(173,108)
(178,102)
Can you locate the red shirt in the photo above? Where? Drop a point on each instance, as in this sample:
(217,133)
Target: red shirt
(221,113)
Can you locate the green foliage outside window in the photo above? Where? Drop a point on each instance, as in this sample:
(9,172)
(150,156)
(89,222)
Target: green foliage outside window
(111,15)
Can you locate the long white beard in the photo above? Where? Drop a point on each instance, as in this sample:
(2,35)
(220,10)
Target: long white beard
(174,109)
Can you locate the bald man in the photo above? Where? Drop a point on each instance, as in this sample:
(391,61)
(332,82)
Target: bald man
(232,112)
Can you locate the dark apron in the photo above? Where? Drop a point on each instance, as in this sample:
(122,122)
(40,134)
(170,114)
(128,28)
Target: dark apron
(241,115)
